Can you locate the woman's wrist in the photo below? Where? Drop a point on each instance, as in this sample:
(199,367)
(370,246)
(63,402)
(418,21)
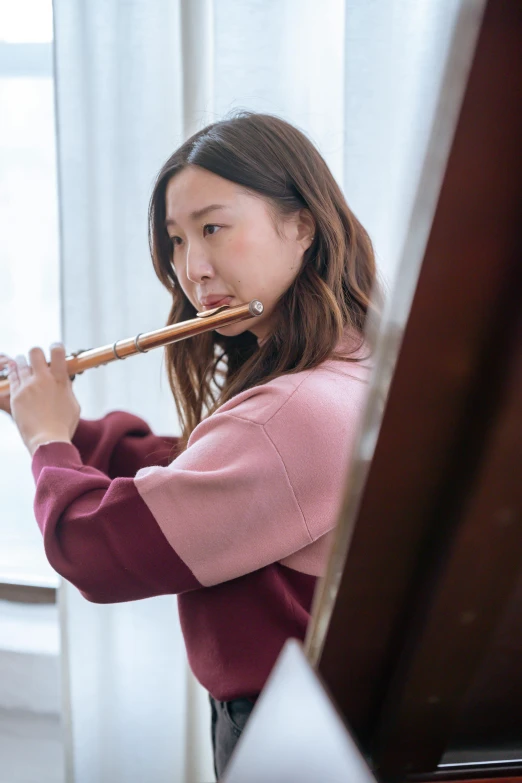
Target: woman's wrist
(47,437)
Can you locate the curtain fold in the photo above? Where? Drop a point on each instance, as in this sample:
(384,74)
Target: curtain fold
(120,114)
(395,54)
(133,80)
(197,64)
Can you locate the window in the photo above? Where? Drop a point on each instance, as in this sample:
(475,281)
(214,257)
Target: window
(29,262)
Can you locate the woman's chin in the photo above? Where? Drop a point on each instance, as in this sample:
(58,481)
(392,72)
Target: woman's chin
(234,329)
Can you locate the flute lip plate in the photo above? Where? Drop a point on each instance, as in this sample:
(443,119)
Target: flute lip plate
(255,307)
(206,313)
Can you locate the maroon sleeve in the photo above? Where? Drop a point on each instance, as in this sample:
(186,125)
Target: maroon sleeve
(120,444)
(99,534)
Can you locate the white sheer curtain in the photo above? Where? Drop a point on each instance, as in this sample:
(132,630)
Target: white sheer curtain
(134,78)
(119,82)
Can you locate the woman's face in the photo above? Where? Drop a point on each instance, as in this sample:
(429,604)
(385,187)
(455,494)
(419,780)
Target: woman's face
(225,246)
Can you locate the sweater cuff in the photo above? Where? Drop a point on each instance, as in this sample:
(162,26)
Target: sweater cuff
(56,454)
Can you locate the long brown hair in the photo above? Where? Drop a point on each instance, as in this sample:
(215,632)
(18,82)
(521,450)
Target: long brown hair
(330,295)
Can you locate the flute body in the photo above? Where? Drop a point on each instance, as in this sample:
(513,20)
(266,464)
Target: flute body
(146,341)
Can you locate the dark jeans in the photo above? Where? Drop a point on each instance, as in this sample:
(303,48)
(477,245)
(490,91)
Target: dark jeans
(228,721)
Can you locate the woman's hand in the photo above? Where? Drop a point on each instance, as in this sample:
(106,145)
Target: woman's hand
(43,404)
(5,397)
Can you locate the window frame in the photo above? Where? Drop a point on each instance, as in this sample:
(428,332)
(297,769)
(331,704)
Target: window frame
(23,60)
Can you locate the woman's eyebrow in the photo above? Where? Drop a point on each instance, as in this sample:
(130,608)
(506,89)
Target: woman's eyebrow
(198,213)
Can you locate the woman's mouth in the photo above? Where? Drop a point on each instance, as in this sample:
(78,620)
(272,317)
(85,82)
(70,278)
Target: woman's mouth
(208,303)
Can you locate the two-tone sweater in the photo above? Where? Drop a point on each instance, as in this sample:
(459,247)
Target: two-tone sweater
(238,525)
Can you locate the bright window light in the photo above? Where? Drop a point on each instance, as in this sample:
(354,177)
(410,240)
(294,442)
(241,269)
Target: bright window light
(26,21)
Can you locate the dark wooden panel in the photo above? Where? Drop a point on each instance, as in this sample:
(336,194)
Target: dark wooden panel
(498,779)
(469,582)
(436,546)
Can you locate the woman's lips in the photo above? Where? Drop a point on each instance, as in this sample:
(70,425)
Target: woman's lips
(218,303)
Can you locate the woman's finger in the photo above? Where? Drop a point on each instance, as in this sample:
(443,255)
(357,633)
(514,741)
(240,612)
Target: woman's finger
(12,376)
(4,359)
(23,369)
(37,360)
(58,363)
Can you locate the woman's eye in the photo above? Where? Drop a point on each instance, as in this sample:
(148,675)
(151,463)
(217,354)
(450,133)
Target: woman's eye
(211,229)
(175,241)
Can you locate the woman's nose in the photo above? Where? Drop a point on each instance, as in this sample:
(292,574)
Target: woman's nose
(198,265)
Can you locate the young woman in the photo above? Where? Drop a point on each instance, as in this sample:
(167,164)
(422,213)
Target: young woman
(236,515)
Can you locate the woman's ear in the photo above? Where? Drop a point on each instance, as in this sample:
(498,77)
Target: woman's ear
(305,228)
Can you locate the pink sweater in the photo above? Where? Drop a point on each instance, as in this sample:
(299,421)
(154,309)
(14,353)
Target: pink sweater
(238,525)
